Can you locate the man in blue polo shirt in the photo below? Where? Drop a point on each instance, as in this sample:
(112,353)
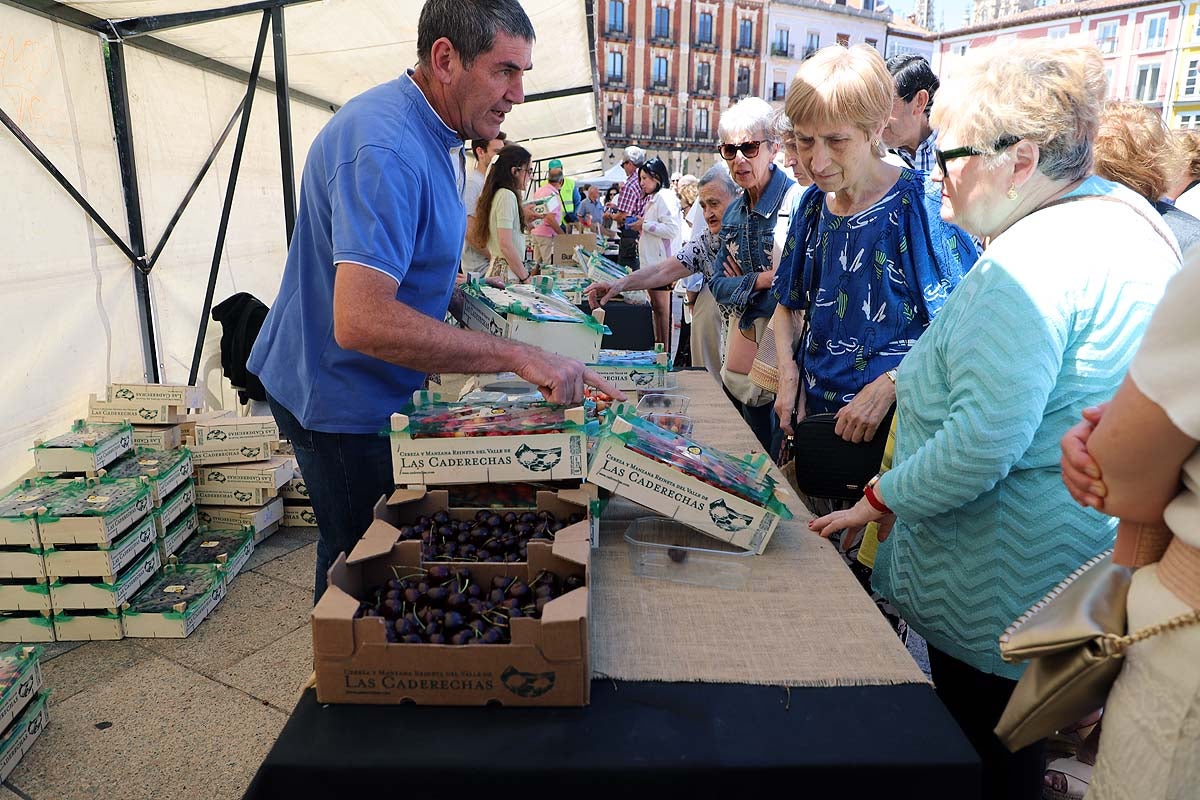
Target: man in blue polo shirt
(372,264)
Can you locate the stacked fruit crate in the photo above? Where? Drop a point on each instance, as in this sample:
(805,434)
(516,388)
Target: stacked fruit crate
(23,704)
(297,506)
(237,476)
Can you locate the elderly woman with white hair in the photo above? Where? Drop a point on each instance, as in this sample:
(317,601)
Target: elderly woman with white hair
(1044,326)
(752,238)
(698,256)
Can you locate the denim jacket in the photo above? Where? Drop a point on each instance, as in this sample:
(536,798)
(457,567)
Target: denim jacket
(749,235)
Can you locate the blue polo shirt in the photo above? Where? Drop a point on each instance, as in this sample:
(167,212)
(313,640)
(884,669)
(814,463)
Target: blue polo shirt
(381,188)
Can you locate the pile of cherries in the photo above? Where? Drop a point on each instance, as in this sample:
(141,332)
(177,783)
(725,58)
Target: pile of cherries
(492,536)
(440,605)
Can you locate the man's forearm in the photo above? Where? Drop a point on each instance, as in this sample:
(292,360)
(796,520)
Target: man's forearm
(410,339)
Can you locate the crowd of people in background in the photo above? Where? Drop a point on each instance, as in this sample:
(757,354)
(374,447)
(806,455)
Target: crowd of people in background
(967,279)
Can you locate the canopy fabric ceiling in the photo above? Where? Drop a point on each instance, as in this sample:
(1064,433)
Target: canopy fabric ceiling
(67,292)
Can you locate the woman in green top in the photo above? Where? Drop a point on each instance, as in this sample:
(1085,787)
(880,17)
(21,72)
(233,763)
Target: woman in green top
(498,227)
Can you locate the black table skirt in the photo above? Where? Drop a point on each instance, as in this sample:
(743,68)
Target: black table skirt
(632,326)
(635,740)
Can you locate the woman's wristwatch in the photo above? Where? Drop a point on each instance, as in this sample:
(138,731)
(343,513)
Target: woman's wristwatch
(873,498)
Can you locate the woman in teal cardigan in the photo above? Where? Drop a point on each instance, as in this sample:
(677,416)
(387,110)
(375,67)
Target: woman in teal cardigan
(1044,325)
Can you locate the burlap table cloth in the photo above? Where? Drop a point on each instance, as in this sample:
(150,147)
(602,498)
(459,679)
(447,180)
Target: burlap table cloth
(803,621)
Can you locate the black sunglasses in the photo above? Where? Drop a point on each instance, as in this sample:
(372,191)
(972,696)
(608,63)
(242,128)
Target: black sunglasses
(748,149)
(1003,143)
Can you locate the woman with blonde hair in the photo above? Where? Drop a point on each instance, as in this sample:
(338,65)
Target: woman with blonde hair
(872,262)
(1185,189)
(1043,326)
(1135,148)
(498,227)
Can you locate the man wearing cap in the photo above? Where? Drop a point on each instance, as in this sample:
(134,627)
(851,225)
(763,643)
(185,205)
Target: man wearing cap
(568,193)
(630,205)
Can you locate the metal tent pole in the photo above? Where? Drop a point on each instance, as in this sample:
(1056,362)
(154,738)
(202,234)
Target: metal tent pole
(239,148)
(284,109)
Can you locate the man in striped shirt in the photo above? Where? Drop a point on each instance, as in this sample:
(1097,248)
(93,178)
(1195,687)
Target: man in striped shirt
(630,205)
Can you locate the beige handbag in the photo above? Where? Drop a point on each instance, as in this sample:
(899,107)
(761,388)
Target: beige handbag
(1075,643)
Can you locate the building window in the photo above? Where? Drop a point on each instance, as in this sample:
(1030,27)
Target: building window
(746,34)
(1156,32)
(1189,81)
(614,118)
(959,49)
(779,47)
(1189,120)
(812,43)
(1147,83)
(1108,81)
(1059,32)
(1196,31)
(616,66)
(660,71)
(702,123)
(868,5)
(704,77)
(1106,37)
(616,16)
(843,39)
(778,91)
(660,120)
(662,22)
(872,43)
(704,31)
(743,81)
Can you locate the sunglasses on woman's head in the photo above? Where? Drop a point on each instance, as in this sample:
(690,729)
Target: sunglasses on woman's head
(942,156)
(748,149)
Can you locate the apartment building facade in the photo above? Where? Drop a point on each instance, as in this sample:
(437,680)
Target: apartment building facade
(1139,41)
(668,68)
(1185,100)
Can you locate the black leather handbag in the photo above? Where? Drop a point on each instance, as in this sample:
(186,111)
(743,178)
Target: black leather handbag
(828,466)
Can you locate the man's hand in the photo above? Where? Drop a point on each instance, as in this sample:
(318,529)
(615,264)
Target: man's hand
(858,420)
(764,280)
(561,379)
(732,268)
(600,293)
(635,226)
(1080,472)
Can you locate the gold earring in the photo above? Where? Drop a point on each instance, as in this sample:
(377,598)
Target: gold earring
(1012,192)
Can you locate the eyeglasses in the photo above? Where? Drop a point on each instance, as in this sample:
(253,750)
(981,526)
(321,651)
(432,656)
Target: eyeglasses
(1003,143)
(748,149)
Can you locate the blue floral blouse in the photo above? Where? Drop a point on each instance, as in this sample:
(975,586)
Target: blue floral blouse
(884,274)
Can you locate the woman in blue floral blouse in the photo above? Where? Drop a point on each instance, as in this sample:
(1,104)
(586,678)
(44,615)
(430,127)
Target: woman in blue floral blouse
(867,241)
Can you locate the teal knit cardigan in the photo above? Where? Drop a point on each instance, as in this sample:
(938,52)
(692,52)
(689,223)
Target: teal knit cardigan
(1044,325)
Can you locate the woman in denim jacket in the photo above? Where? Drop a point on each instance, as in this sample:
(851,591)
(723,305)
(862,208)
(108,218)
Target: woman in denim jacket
(751,244)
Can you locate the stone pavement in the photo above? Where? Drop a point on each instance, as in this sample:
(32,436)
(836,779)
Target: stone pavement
(144,718)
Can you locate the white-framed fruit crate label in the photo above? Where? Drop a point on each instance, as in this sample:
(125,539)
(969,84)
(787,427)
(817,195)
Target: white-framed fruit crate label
(107,591)
(226,496)
(295,489)
(487,459)
(179,533)
(236,429)
(234,518)
(140,413)
(87,447)
(21,735)
(24,683)
(172,394)
(174,507)
(166,437)
(301,516)
(235,452)
(273,475)
(76,562)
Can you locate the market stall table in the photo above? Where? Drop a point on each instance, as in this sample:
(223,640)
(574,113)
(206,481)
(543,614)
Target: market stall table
(689,693)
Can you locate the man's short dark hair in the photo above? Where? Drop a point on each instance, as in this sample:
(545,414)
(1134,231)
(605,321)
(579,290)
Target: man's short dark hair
(911,73)
(482,144)
(470,25)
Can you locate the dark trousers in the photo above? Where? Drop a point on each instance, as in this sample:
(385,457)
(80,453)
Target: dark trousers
(761,420)
(345,474)
(627,249)
(976,700)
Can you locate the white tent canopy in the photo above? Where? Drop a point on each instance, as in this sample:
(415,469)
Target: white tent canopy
(72,320)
